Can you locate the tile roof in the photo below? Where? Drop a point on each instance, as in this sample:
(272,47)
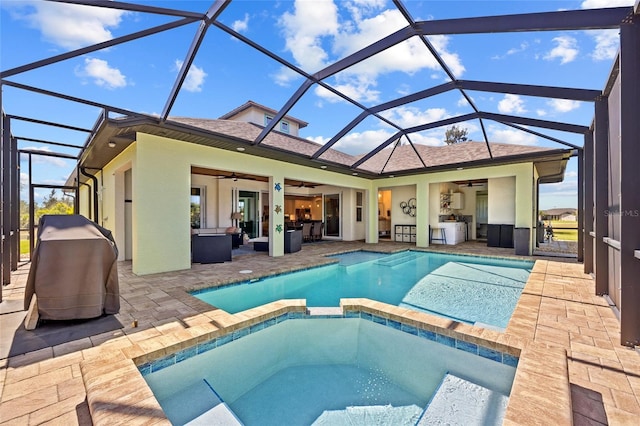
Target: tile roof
(389,160)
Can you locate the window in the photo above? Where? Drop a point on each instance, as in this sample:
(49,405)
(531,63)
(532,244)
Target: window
(358,206)
(267,119)
(284,127)
(198,203)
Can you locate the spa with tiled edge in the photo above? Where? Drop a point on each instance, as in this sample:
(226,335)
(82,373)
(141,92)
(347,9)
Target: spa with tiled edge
(117,391)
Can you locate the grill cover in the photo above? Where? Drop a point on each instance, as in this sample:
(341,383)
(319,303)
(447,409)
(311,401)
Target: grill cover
(74,270)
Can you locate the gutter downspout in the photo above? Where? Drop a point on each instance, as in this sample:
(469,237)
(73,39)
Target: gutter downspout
(83,170)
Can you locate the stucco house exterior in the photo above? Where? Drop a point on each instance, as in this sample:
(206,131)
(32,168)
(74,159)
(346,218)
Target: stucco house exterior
(145,173)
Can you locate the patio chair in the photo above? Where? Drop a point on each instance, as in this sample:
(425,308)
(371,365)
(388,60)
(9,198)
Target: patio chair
(316,232)
(306,231)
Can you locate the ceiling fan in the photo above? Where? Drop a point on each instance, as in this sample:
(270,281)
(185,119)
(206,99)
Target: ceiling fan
(301,184)
(235,177)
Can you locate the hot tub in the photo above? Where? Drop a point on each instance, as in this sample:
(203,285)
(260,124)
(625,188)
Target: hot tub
(306,370)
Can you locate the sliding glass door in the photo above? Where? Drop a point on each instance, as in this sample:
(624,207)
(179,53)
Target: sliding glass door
(248,206)
(332,215)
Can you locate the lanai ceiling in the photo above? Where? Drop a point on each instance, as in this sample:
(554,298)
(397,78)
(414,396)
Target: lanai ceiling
(372,128)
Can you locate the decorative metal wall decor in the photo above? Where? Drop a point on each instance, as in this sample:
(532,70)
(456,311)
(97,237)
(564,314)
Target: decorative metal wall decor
(409,207)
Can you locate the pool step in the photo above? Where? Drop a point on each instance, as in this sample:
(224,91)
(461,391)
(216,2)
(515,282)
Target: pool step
(220,415)
(367,415)
(461,402)
(397,259)
(218,412)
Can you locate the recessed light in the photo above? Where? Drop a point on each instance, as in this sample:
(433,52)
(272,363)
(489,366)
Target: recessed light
(392,176)
(240,149)
(460,168)
(355,173)
(111,144)
(323,167)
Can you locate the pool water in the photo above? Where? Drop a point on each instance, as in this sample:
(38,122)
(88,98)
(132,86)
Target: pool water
(327,372)
(469,289)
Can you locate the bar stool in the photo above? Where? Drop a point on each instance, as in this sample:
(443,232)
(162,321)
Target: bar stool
(443,235)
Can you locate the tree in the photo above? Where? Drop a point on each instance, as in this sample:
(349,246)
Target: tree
(454,135)
(50,201)
(60,207)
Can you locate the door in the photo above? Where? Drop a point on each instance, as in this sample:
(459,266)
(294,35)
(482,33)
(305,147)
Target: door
(248,206)
(128,216)
(332,215)
(265,215)
(482,215)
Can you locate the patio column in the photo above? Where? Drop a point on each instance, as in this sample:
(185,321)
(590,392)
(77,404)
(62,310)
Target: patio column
(15,204)
(5,200)
(422,213)
(630,181)
(587,203)
(372,231)
(276,204)
(601,192)
(580,205)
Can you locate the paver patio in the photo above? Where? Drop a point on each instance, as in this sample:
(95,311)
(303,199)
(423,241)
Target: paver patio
(558,309)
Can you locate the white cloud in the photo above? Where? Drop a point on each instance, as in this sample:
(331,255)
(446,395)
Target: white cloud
(427,138)
(521,48)
(512,136)
(607,42)
(405,116)
(563,105)
(571,174)
(597,4)
(510,104)
(241,25)
(566,49)
(195,77)
(318,139)
(541,112)
(462,102)
(358,90)
(284,76)
(566,187)
(68,25)
(304,30)
(46,159)
(317,34)
(102,74)
(358,143)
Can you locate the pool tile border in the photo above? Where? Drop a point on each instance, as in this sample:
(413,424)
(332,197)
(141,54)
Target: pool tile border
(195,291)
(472,348)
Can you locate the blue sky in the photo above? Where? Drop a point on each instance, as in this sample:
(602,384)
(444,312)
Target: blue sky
(140,74)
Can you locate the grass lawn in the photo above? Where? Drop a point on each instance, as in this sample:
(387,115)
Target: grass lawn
(565,230)
(24,246)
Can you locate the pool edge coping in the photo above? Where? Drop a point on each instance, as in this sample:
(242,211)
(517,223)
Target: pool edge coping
(116,390)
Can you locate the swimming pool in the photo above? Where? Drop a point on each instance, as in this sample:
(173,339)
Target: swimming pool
(361,370)
(470,289)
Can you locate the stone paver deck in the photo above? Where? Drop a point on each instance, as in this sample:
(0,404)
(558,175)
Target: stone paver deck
(557,314)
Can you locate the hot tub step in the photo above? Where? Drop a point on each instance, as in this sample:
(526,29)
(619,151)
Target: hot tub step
(460,402)
(397,259)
